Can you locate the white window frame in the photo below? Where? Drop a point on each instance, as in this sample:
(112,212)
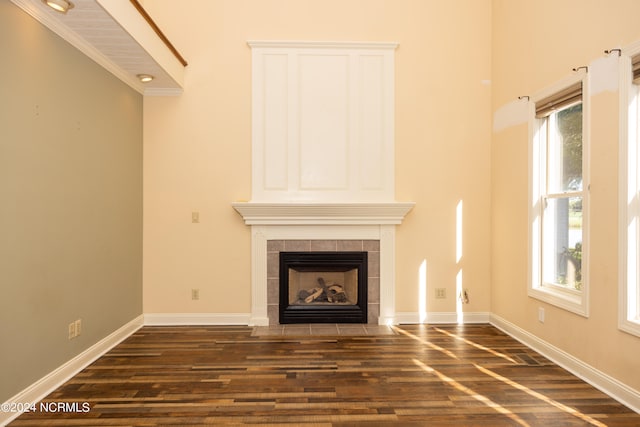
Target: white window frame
(629,197)
(568,299)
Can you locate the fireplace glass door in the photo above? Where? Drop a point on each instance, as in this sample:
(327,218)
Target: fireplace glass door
(323,287)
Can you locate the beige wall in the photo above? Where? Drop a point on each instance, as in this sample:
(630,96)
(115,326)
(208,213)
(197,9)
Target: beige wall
(70,201)
(525,62)
(198,146)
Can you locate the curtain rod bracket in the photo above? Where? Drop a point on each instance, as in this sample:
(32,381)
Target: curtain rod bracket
(584,67)
(609,51)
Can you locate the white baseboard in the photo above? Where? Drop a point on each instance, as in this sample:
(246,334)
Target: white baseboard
(441,317)
(41,388)
(609,385)
(175,319)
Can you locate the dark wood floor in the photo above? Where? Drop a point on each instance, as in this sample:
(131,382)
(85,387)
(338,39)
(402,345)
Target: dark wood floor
(471,375)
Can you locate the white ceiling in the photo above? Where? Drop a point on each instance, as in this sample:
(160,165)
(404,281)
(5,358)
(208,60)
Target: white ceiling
(98,34)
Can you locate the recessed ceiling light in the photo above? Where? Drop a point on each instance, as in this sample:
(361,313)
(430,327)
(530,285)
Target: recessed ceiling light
(59,5)
(145,78)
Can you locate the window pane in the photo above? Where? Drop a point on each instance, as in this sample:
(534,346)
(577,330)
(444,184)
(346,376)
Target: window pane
(565,150)
(562,236)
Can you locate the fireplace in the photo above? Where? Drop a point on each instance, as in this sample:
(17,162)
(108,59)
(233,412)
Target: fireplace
(323,287)
(323,167)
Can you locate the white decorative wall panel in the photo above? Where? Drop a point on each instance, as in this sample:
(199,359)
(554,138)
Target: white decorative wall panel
(322,122)
(323,82)
(275,111)
(372,124)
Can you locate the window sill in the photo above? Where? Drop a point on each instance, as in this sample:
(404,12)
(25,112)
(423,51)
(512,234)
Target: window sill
(575,302)
(630,326)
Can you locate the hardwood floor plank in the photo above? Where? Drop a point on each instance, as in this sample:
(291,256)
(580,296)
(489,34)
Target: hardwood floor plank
(447,375)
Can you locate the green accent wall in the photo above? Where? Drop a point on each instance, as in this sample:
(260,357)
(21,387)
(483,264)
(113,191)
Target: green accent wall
(70,201)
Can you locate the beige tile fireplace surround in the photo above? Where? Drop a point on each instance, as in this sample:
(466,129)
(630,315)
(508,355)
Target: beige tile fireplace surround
(372,247)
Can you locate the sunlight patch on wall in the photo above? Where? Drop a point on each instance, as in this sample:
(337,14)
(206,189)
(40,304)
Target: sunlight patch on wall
(460,315)
(459,288)
(511,114)
(459,231)
(422,291)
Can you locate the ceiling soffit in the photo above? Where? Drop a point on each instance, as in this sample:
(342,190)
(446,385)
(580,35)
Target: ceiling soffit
(116,35)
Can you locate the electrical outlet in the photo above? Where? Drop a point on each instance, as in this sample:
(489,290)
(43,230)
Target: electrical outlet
(72,330)
(441,293)
(195,294)
(78,326)
(541,314)
(195,217)
(464,296)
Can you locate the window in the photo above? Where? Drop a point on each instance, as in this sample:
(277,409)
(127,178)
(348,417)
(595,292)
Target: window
(629,306)
(558,189)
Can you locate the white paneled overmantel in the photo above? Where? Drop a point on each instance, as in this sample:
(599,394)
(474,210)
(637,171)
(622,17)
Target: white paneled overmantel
(322,124)
(322,154)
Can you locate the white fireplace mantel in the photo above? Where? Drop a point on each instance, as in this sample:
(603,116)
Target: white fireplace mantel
(262,213)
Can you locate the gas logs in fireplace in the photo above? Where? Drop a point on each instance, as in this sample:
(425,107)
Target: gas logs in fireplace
(323,287)
(331,293)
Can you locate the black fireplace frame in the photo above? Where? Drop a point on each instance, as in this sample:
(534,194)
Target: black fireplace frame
(323,261)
